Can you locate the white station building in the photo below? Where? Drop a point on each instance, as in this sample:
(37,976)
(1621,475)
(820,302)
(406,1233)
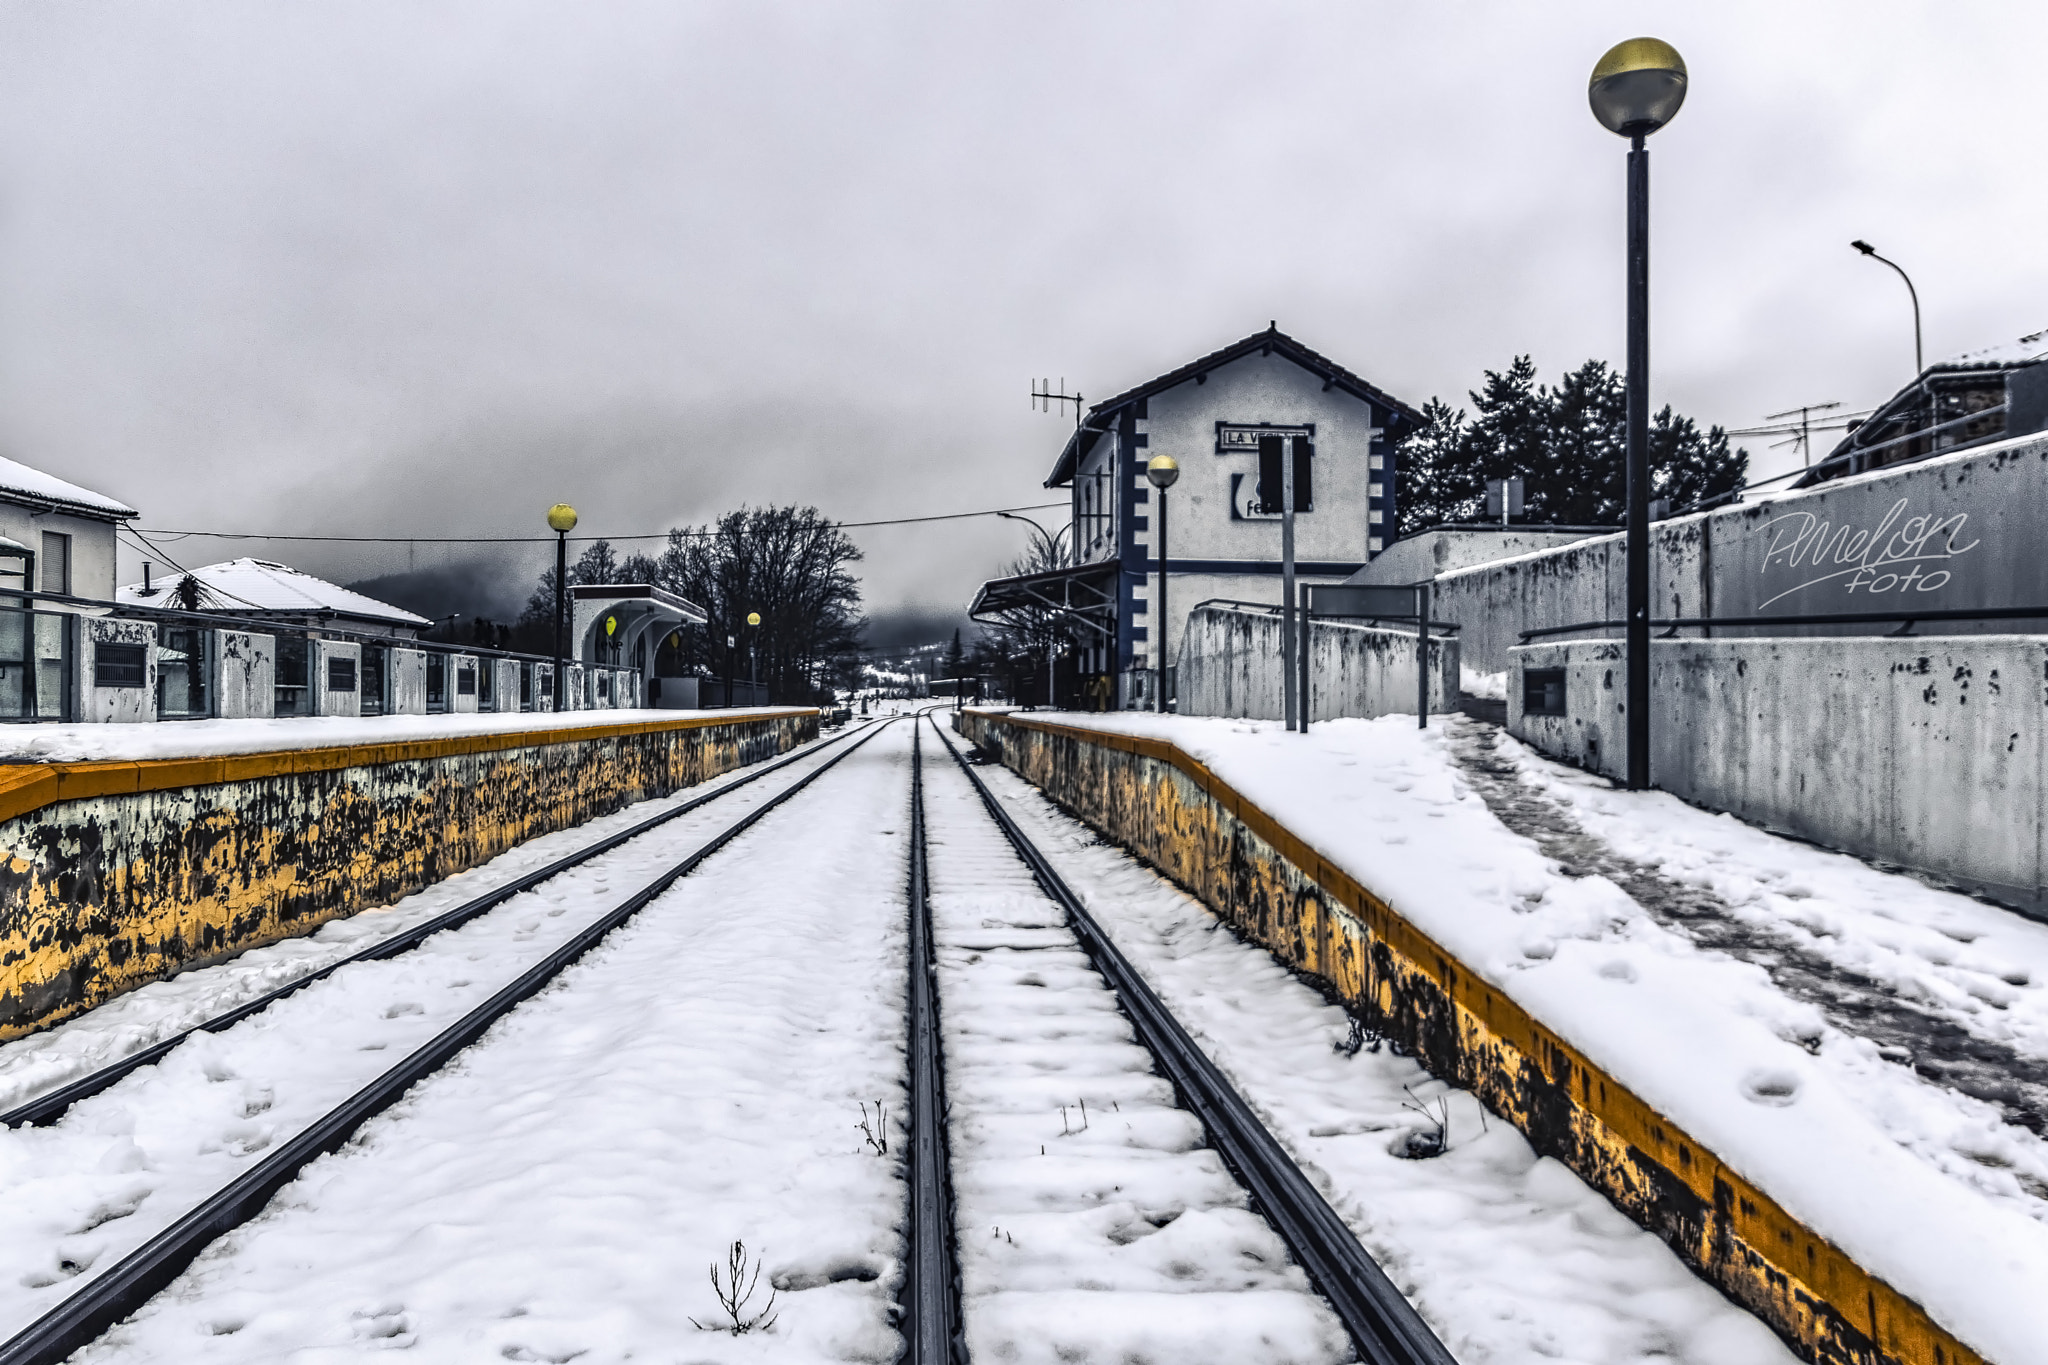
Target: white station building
(1229,418)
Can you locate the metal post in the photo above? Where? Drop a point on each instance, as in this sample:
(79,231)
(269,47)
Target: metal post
(1162,618)
(1308,610)
(1287,643)
(1638,465)
(1422,655)
(561,626)
(1051,696)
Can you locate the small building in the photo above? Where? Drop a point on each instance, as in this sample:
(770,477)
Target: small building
(58,535)
(1230,418)
(264,590)
(638,626)
(1971,400)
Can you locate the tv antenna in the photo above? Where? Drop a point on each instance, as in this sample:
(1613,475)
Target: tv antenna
(1797,426)
(1045,395)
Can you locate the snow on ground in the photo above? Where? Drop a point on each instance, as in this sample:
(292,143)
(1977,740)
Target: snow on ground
(81,743)
(1094,1224)
(122,1165)
(1811,1115)
(1978,964)
(41,1062)
(1490,686)
(1509,1256)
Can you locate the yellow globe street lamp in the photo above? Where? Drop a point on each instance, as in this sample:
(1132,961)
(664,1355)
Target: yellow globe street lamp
(561,520)
(1162,470)
(1636,89)
(753,650)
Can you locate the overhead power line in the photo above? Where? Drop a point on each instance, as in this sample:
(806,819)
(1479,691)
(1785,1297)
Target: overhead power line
(549,540)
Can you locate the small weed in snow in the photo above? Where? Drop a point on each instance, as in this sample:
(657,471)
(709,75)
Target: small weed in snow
(875,1131)
(1422,1144)
(734,1299)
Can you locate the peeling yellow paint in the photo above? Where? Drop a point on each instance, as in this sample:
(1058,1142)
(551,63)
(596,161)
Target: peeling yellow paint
(113,875)
(1173,811)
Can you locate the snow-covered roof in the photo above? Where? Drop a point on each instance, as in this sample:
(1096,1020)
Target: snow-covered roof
(2025,351)
(19,483)
(240,585)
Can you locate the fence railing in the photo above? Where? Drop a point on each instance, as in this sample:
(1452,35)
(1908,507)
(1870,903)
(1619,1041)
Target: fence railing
(94,660)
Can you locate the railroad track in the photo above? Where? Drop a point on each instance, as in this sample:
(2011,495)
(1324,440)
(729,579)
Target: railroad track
(1384,1327)
(112,1295)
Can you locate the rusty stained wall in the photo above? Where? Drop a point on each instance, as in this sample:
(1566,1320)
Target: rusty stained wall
(1176,815)
(103,894)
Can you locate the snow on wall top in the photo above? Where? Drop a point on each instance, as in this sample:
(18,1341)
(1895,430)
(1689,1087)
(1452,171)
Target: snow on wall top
(261,584)
(2025,351)
(18,481)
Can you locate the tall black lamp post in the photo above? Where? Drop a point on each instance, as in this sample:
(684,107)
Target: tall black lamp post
(1636,89)
(562,520)
(1162,470)
(754,652)
(1919,360)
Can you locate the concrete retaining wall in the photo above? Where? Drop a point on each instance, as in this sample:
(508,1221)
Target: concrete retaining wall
(1953,533)
(1230,666)
(117,874)
(1931,753)
(1173,812)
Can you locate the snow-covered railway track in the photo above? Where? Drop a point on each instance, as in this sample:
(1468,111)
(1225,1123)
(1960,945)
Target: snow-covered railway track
(1028,1296)
(113,1294)
(47,1108)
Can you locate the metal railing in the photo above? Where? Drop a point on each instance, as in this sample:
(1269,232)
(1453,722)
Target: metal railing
(1907,619)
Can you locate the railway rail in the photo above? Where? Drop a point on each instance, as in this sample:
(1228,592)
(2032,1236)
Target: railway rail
(51,1106)
(1384,1327)
(109,1297)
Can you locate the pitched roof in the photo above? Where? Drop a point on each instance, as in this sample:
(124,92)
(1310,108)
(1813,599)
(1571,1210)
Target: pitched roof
(19,483)
(260,585)
(1271,340)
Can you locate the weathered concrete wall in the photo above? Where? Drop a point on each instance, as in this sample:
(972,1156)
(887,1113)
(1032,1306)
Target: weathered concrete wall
(1931,753)
(1443,550)
(115,704)
(1230,666)
(1952,534)
(248,675)
(407,691)
(1170,810)
(116,874)
(335,701)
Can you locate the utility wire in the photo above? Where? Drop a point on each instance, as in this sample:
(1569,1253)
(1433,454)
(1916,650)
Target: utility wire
(536,540)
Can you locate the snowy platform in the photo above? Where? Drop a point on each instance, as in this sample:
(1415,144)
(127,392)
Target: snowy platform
(1864,1049)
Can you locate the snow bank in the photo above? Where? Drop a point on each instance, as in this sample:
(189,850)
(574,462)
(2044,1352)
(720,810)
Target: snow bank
(208,738)
(1805,1112)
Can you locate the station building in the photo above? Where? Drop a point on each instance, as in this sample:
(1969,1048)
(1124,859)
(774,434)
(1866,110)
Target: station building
(1229,418)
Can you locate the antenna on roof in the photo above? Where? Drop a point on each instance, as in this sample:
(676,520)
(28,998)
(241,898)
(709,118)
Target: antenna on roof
(1044,396)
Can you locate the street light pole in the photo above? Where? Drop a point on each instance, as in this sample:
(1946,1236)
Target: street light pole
(1287,642)
(1636,89)
(1919,359)
(754,654)
(1050,545)
(562,519)
(1162,470)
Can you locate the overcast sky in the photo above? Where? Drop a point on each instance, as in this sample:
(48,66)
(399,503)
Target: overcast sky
(425,268)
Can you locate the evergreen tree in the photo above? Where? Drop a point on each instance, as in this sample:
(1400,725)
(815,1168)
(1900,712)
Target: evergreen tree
(1568,444)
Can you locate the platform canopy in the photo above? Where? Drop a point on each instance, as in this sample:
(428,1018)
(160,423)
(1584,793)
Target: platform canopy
(1084,594)
(623,623)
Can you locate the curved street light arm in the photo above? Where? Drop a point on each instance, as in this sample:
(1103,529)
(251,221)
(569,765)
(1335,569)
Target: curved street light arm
(1919,357)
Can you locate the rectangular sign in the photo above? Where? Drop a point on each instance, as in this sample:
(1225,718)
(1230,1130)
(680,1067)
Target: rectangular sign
(1243,440)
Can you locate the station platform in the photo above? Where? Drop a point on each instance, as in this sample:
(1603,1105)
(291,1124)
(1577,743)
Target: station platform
(1700,1018)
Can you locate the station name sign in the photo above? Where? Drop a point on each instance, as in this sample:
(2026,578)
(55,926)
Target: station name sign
(1244,440)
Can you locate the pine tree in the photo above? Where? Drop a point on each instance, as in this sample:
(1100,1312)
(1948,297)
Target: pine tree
(1568,444)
